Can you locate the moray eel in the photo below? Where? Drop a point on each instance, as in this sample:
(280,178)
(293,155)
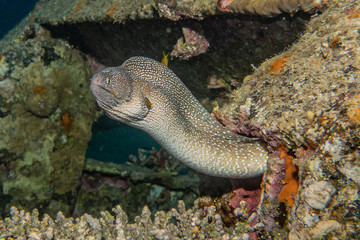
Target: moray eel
(146,94)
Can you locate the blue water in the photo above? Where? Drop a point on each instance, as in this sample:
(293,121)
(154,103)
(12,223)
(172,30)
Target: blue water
(12,12)
(114,142)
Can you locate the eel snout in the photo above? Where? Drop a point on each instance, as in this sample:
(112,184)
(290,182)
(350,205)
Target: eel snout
(114,86)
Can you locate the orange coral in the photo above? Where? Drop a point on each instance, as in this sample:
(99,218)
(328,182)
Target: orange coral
(78,6)
(110,12)
(354,14)
(39,89)
(277,65)
(302,152)
(335,42)
(66,121)
(353,108)
(291,184)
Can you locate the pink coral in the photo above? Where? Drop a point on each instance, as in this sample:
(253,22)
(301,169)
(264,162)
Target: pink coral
(192,44)
(251,197)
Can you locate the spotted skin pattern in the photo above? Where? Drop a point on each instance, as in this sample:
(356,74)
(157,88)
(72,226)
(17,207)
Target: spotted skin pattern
(146,94)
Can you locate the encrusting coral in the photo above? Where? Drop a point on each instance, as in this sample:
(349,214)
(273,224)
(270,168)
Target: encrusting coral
(45,122)
(192,44)
(311,103)
(290,182)
(269,7)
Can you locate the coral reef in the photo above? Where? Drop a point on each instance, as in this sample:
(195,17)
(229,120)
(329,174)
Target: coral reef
(236,43)
(203,221)
(269,8)
(307,96)
(152,168)
(199,9)
(290,182)
(303,101)
(153,177)
(43,102)
(192,44)
(40,160)
(182,9)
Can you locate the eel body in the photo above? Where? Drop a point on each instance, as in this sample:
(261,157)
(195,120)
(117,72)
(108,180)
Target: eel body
(146,94)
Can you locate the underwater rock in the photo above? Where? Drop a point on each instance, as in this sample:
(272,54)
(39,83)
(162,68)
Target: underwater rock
(137,171)
(151,178)
(317,125)
(7,88)
(269,8)
(43,101)
(4,67)
(251,197)
(191,45)
(43,157)
(323,228)
(318,194)
(93,182)
(351,171)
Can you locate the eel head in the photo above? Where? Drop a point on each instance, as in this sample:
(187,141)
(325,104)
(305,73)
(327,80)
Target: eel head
(115,93)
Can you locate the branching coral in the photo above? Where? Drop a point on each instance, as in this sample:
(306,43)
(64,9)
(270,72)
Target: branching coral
(202,222)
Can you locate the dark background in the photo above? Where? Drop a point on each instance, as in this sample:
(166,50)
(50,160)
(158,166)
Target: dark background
(12,11)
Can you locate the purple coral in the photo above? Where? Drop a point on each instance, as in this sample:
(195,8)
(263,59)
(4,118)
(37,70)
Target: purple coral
(251,197)
(93,181)
(192,44)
